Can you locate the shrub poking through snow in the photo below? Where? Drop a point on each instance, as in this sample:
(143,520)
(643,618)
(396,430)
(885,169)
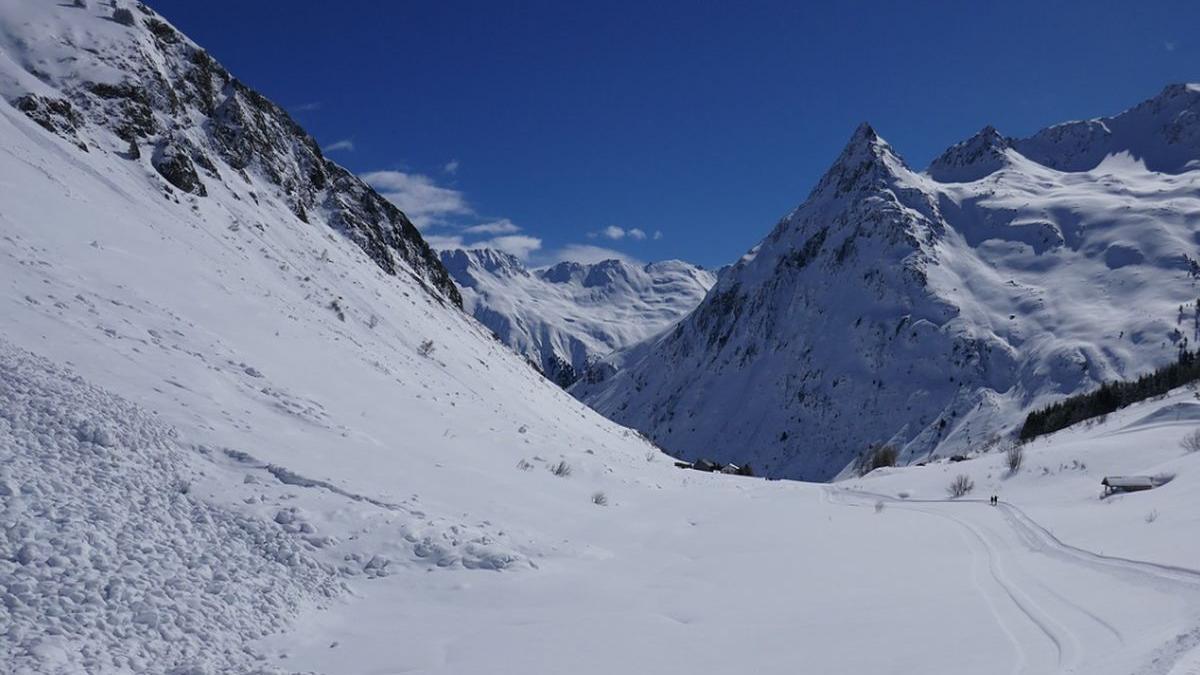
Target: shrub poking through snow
(600,499)
(875,457)
(562,469)
(879,506)
(1014,456)
(960,486)
(1152,516)
(524,465)
(426,348)
(1191,442)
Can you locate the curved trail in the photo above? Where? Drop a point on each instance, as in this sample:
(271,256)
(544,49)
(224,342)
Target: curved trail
(1054,601)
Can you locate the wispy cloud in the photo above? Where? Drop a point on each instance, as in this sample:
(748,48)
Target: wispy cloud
(307,107)
(419,196)
(519,245)
(1170,45)
(344,144)
(587,254)
(447,221)
(502,226)
(658,235)
(442,242)
(616,233)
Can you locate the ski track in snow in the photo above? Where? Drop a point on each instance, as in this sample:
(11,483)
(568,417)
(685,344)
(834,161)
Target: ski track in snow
(1072,629)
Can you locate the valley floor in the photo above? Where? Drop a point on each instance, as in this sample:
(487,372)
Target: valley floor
(729,575)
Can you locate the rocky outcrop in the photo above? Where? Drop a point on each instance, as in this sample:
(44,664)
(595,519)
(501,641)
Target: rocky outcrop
(207,128)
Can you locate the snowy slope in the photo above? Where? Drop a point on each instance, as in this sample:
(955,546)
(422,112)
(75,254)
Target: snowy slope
(280,363)
(932,309)
(567,316)
(209,465)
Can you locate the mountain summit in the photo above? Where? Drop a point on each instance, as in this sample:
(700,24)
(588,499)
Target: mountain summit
(929,310)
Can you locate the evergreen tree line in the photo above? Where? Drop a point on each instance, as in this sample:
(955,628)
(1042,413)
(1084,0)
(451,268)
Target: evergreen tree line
(1112,396)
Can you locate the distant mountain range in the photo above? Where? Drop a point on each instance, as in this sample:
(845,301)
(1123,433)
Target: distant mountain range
(565,317)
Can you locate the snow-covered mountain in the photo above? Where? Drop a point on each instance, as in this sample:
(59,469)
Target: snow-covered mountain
(235,383)
(567,316)
(931,309)
(142,90)
(235,441)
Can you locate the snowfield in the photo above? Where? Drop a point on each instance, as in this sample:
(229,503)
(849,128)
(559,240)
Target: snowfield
(232,441)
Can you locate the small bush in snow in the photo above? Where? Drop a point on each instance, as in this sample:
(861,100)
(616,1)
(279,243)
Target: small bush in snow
(879,506)
(961,485)
(562,469)
(81,4)
(1152,516)
(123,16)
(426,348)
(599,499)
(1014,456)
(524,465)
(875,457)
(651,455)
(1191,442)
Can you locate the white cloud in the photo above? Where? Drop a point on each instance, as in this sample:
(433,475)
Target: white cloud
(588,254)
(502,226)
(443,243)
(519,245)
(617,233)
(451,167)
(307,107)
(658,235)
(344,144)
(1169,45)
(418,196)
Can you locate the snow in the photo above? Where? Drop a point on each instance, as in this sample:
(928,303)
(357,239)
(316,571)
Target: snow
(567,316)
(105,539)
(224,415)
(932,310)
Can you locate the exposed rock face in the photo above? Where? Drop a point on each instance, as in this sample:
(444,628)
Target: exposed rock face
(932,310)
(154,87)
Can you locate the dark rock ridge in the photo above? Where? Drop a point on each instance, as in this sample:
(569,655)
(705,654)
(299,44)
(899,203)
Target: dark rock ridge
(204,126)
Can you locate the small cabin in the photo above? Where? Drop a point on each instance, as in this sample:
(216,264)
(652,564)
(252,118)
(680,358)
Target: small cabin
(705,465)
(1114,484)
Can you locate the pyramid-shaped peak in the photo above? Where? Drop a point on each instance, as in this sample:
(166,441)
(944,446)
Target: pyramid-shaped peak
(866,158)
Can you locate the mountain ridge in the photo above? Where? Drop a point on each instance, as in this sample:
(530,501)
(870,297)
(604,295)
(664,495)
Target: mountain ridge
(894,307)
(566,316)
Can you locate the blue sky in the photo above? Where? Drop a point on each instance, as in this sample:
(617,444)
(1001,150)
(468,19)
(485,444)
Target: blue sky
(678,130)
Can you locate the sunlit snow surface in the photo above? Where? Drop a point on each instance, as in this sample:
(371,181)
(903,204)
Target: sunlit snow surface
(206,469)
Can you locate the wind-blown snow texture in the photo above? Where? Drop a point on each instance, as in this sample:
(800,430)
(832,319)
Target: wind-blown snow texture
(567,316)
(931,310)
(109,561)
